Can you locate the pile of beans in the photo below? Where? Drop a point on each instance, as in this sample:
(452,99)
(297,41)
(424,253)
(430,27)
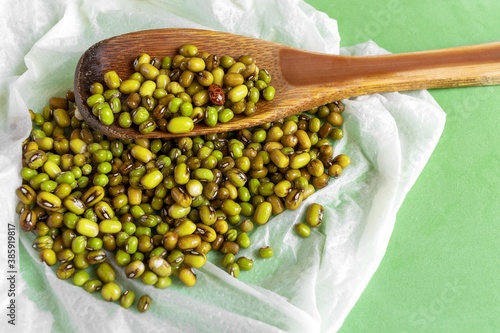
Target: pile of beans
(157,207)
(174,93)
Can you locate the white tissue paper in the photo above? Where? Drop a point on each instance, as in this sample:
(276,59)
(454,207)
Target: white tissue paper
(311,284)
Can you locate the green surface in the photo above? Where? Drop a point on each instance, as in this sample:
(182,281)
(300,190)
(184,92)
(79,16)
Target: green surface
(440,272)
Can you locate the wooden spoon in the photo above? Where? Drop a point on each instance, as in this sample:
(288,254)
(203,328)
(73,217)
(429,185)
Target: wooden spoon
(303,80)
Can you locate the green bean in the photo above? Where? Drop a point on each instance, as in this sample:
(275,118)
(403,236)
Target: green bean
(144,303)
(87,227)
(96,257)
(334,171)
(65,271)
(187,227)
(264,76)
(302,230)
(147,126)
(262,213)
(58,103)
(28,220)
(105,272)
(48,256)
(230,247)
(233,269)
(26,194)
(187,276)
(186,109)
(228,259)
(180,124)
(194,259)
(145,243)
(161,206)
(112,79)
(152,179)
(342,160)
(208,214)
(95,99)
(80,278)
(163,282)
(110,226)
(315,168)
(237,93)
(200,98)
(139,115)
(95,243)
(231,207)
(231,235)
(111,292)
(48,201)
(130,86)
(122,258)
(142,154)
(149,278)
(236,67)
(233,79)
(196,64)
(320,181)
(149,71)
(159,266)
(226,115)
(36,182)
(266,252)
(243,240)
(294,199)
(245,263)
(314,215)
(211,116)
(80,260)
(104,211)
(260,84)
(206,233)
(188,242)
(135,269)
(125,120)
(92,285)
(127,299)
(268,93)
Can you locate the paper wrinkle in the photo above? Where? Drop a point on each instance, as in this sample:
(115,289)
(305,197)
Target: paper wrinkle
(311,284)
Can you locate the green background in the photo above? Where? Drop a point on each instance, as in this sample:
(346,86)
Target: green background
(441,269)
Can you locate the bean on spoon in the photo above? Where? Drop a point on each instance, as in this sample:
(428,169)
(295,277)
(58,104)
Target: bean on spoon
(302,79)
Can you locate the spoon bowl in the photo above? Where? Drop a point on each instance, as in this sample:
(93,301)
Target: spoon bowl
(302,79)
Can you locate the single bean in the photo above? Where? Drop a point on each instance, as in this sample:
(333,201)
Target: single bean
(314,215)
(144,303)
(111,292)
(302,230)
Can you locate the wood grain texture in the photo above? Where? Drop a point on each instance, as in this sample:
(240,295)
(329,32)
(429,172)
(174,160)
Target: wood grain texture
(302,79)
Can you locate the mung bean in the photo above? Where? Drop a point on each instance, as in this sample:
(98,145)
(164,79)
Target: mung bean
(160,207)
(245,263)
(144,303)
(266,252)
(127,299)
(197,77)
(302,230)
(111,292)
(314,215)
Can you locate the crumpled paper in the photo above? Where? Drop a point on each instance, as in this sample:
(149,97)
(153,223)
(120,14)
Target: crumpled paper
(311,284)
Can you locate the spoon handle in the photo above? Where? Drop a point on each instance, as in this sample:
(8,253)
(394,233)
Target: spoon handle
(360,75)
